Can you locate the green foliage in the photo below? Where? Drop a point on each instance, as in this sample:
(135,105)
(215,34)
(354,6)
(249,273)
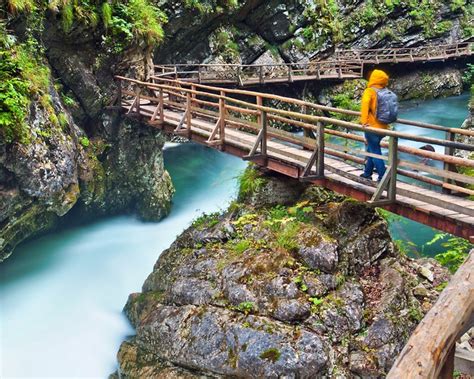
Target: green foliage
(250,181)
(468,75)
(225,45)
(286,239)
(106,14)
(67,16)
(63,121)
(301,211)
(415,314)
(206,220)
(271,354)
(246,307)
(126,21)
(457,250)
(241,246)
(84,141)
(425,14)
(22,76)
(19,6)
(440,287)
(68,100)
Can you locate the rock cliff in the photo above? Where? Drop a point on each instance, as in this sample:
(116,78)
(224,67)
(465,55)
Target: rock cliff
(304,287)
(59,146)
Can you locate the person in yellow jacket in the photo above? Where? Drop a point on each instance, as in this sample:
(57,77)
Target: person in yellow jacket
(378,79)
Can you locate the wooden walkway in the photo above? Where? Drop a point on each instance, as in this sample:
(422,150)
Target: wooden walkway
(219,118)
(347,64)
(435,53)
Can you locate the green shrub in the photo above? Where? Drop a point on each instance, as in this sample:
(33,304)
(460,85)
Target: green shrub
(286,239)
(250,181)
(84,141)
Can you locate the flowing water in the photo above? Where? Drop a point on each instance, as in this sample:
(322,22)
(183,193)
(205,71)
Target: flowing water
(61,296)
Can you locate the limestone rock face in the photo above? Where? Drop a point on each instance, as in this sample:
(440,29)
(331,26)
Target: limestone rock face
(428,84)
(80,153)
(39,180)
(305,290)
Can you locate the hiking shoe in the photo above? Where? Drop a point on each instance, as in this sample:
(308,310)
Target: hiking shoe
(366,176)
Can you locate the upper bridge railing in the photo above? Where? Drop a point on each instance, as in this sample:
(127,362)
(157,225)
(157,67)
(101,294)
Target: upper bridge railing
(254,74)
(406,54)
(257,113)
(346,64)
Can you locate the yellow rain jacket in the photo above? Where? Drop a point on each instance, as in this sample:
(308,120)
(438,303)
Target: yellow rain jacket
(378,79)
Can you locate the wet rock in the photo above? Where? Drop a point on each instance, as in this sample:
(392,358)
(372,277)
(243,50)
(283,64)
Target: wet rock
(291,310)
(321,256)
(426,273)
(275,191)
(216,340)
(379,333)
(420,291)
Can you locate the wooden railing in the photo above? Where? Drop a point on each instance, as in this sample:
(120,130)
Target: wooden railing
(345,64)
(260,73)
(412,54)
(226,108)
(430,351)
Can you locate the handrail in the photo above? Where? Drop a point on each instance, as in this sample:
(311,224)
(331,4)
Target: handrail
(307,117)
(429,352)
(416,48)
(320,107)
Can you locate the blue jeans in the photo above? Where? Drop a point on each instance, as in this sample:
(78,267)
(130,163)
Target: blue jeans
(373,146)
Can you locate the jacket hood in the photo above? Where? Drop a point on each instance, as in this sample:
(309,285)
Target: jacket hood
(378,78)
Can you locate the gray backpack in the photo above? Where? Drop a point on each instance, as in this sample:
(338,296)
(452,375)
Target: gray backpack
(387,105)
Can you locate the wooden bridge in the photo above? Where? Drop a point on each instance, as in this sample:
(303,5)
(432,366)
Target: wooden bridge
(347,64)
(422,185)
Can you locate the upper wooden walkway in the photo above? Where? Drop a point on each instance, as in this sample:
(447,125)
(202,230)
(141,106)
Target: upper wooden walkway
(347,64)
(243,123)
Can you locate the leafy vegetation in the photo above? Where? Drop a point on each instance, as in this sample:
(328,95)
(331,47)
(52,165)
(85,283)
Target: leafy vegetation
(206,220)
(23,76)
(250,181)
(246,307)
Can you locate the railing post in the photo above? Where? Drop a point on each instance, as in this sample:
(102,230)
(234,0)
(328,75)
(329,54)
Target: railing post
(393,162)
(320,161)
(199,74)
(290,79)
(193,96)
(261,74)
(263,118)
(162,107)
(259,103)
(188,113)
(237,79)
(222,113)
(448,150)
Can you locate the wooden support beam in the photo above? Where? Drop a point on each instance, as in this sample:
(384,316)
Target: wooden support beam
(429,347)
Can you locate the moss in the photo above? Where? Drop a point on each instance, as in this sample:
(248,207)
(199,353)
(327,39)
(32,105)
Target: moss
(272,354)
(28,223)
